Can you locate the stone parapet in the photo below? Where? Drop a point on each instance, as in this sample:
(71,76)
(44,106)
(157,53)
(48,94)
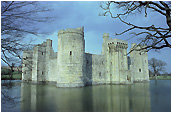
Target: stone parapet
(116,43)
(106,35)
(77,31)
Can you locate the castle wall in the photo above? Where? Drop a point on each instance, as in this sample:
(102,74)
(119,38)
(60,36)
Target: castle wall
(71,58)
(27,65)
(39,63)
(145,66)
(89,71)
(95,71)
(53,69)
(34,64)
(51,62)
(139,64)
(44,62)
(117,64)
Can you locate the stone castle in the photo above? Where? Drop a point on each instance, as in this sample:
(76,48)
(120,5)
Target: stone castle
(72,67)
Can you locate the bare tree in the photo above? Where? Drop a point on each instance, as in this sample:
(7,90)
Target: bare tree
(19,19)
(156,66)
(155,37)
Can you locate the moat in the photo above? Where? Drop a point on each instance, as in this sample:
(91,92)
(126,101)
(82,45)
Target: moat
(151,96)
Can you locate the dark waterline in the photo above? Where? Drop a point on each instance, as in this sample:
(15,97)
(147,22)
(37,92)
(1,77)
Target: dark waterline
(152,96)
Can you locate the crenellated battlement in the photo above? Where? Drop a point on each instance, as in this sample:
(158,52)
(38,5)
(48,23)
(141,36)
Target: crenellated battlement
(79,30)
(137,47)
(116,43)
(106,35)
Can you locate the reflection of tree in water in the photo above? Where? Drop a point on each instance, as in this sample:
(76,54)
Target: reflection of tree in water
(8,98)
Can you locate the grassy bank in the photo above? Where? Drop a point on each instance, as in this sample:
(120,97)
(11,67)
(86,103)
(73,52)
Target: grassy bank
(16,75)
(161,78)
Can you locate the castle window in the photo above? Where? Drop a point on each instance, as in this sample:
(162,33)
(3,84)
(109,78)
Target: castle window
(70,52)
(102,62)
(139,70)
(25,65)
(87,61)
(100,74)
(140,53)
(127,77)
(42,53)
(24,72)
(42,72)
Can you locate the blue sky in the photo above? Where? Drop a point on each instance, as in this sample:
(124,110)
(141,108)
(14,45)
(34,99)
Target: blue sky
(81,13)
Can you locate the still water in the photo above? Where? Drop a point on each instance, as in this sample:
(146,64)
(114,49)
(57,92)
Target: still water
(151,96)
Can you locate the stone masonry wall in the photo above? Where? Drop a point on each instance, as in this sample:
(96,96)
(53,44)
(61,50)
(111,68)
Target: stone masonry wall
(95,70)
(117,64)
(71,57)
(27,65)
(53,70)
(139,64)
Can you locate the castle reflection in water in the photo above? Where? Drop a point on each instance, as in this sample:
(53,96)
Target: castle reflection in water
(106,98)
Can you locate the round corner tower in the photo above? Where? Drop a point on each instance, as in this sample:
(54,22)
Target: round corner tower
(71,58)
(105,40)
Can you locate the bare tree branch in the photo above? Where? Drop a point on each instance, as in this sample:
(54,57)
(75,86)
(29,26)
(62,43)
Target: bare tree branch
(18,19)
(155,37)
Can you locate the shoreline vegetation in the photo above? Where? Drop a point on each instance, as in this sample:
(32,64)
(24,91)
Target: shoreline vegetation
(6,75)
(16,75)
(160,78)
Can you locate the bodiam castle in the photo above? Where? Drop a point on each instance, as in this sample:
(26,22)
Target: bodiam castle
(72,67)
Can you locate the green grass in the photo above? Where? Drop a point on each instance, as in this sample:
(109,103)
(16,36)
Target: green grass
(16,75)
(161,78)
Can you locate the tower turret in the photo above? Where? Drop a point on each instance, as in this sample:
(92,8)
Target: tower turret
(105,40)
(49,52)
(117,64)
(71,58)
